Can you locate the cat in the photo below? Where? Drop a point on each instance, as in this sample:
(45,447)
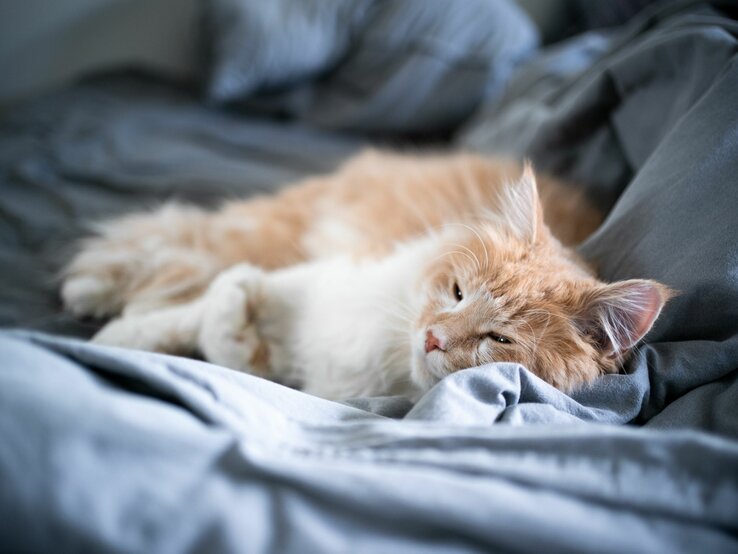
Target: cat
(382,278)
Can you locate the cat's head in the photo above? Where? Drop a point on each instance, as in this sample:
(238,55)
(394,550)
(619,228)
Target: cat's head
(505,290)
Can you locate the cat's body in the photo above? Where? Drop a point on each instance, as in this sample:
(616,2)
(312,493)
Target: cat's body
(380,279)
(335,327)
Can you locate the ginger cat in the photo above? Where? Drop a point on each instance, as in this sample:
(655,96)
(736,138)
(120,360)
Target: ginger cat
(379,279)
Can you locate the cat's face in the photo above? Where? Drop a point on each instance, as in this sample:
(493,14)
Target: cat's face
(506,291)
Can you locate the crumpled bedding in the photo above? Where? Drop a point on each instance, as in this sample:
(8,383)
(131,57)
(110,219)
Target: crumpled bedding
(369,66)
(114,450)
(118,144)
(118,450)
(646,120)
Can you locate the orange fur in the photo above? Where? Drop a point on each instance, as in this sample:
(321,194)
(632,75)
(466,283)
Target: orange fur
(374,200)
(537,296)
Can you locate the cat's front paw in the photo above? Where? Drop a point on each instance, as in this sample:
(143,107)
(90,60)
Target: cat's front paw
(170,330)
(129,332)
(229,333)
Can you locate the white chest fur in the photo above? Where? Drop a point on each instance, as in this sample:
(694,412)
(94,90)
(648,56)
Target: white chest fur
(342,328)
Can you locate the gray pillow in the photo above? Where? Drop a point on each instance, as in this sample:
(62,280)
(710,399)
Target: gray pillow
(390,66)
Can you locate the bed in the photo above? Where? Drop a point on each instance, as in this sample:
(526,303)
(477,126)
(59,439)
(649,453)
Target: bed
(105,449)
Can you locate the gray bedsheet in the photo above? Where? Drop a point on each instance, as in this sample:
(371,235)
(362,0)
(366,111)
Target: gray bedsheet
(119,144)
(112,450)
(107,449)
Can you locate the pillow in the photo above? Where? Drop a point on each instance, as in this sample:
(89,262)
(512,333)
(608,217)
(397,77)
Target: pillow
(380,66)
(267,45)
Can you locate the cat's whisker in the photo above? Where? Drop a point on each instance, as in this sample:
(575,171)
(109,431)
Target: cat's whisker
(409,310)
(547,313)
(534,349)
(397,304)
(476,260)
(388,311)
(484,246)
(451,253)
(398,327)
(401,321)
(400,337)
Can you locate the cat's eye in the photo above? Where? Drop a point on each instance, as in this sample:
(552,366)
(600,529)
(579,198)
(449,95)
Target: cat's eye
(499,338)
(457,292)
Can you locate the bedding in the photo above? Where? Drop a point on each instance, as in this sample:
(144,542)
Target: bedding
(118,450)
(407,66)
(650,127)
(114,450)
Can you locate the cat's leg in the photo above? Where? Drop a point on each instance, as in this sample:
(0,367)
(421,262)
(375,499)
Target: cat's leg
(146,261)
(221,324)
(172,330)
(229,332)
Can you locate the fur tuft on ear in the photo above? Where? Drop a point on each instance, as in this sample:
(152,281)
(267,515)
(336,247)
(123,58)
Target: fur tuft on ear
(618,315)
(520,208)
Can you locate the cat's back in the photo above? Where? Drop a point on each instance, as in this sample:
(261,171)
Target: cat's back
(380,198)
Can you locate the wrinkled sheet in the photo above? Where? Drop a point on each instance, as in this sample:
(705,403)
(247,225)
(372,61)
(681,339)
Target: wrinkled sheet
(117,450)
(647,121)
(120,144)
(112,450)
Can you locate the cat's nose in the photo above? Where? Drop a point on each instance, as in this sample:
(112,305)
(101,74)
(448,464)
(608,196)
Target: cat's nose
(432,342)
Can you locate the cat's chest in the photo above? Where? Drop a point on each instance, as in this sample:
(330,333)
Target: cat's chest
(346,326)
(362,356)
(352,322)
(352,349)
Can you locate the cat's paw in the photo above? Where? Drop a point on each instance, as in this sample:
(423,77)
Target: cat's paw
(229,333)
(91,295)
(170,330)
(128,332)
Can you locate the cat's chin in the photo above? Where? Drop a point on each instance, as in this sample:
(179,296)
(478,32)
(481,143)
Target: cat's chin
(421,374)
(424,372)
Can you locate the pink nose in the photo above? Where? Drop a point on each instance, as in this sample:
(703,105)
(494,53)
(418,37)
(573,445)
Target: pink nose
(432,342)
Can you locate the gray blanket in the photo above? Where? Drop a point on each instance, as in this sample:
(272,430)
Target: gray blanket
(107,449)
(112,450)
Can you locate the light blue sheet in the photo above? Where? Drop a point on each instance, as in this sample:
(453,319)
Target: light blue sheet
(115,450)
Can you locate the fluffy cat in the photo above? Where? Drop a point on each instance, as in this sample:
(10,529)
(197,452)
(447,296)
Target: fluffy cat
(380,279)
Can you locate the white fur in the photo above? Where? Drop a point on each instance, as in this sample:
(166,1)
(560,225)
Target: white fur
(518,205)
(173,330)
(337,327)
(330,235)
(90,294)
(228,333)
(345,327)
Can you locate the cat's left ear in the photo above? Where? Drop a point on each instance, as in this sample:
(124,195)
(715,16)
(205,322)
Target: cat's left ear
(521,208)
(619,315)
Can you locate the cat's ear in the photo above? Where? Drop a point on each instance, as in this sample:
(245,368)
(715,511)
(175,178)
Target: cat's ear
(520,207)
(617,316)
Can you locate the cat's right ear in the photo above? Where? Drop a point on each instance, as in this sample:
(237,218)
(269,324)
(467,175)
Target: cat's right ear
(520,208)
